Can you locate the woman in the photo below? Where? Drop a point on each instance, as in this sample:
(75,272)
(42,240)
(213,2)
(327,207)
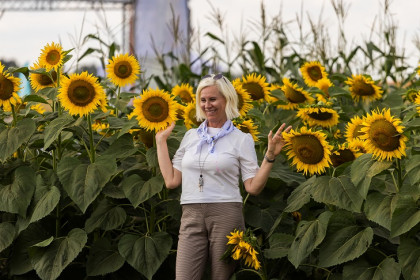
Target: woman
(209,163)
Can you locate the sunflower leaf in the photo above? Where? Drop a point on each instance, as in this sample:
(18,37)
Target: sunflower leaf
(388,268)
(103,258)
(12,138)
(345,245)
(7,233)
(379,207)
(409,258)
(405,216)
(34,98)
(53,130)
(105,216)
(300,196)
(279,245)
(146,253)
(309,234)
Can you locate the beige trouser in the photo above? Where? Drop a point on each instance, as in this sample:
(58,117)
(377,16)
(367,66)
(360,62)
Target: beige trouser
(202,236)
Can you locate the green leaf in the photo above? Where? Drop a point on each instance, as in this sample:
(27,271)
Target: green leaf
(409,258)
(127,126)
(46,204)
(34,98)
(363,169)
(55,127)
(339,192)
(103,258)
(7,233)
(138,191)
(309,234)
(122,147)
(214,37)
(12,138)
(259,218)
(300,196)
(345,245)
(83,182)
(279,245)
(151,157)
(388,269)
(413,169)
(106,216)
(16,197)
(50,261)
(146,253)
(378,208)
(406,215)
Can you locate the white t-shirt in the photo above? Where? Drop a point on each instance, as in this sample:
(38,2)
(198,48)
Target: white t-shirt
(234,155)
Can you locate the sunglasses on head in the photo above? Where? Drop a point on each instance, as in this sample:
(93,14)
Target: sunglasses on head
(215,77)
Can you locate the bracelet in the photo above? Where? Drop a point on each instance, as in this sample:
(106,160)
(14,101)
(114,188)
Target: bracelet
(269,160)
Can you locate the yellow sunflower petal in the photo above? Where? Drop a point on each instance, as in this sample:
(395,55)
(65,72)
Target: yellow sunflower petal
(81,94)
(363,88)
(256,86)
(9,86)
(309,150)
(155,109)
(383,135)
(320,116)
(312,72)
(185,92)
(248,126)
(295,95)
(244,99)
(40,81)
(190,118)
(51,57)
(123,69)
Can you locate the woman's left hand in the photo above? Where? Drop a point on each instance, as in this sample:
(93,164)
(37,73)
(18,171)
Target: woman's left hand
(276,141)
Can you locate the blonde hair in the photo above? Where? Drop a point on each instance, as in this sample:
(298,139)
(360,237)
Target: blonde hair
(225,88)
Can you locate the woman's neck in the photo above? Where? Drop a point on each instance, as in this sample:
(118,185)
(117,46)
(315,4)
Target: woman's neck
(216,124)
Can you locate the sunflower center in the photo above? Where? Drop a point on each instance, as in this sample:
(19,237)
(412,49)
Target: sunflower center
(45,80)
(357,131)
(81,93)
(384,135)
(123,69)
(185,96)
(363,89)
(245,129)
(308,149)
(294,96)
(315,73)
(6,88)
(255,90)
(321,116)
(155,109)
(53,57)
(344,156)
(192,117)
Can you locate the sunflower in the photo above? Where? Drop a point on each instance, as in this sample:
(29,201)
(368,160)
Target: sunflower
(308,149)
(9,86)
(417,101)
(256,87)
(101,127)
(123,69)
(364,88)
(295,95)
(248,126)
(383,135)
(411,95)
(241,246)
(190,118)
(81,94)
(155,109)
(244,99)
(343,154)
(312,72)
(319,116)
(51,57)
(353,128)
(38,108)
(324,84)
(40,81)
(185,92)
(358,144)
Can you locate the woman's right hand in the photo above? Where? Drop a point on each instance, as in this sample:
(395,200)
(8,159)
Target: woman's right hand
(164,134)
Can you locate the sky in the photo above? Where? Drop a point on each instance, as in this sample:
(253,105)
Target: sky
(24,34)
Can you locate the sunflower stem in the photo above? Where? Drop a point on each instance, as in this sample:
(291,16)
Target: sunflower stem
(91,144)
(116,102)
(14,115)
(399,172)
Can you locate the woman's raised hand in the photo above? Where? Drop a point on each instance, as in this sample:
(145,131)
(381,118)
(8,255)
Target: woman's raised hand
(164,134)
(276,141)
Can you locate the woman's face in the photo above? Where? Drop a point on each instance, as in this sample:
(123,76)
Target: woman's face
(213,104)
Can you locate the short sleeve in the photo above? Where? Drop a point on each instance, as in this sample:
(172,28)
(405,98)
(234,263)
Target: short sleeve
(248,158)
(177,159)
